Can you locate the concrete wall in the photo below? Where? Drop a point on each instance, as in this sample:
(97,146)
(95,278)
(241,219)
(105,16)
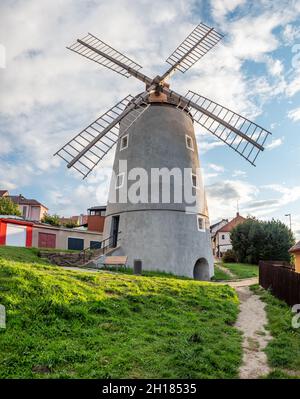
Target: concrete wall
(63,234)
(163,235)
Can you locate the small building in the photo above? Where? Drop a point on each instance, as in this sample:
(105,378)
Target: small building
(96,218)
(47,236)
(15,231)
(295,250)
(220,236)
(216,226)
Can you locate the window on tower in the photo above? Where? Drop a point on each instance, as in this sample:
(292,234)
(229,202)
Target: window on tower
(200,223)
(189,143)
(124,142)
(194,181)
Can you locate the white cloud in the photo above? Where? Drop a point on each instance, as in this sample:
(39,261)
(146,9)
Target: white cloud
(222,7)
(294,114)
(216,168)
(223,196)
(205,146)
(289,194)
(290,34)
(275,67)
(275,143)
(239,173)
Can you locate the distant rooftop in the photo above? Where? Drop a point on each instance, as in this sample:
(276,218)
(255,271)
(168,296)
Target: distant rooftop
(3,192)
(233,223)
(295,248)
(20,199)
(98,208)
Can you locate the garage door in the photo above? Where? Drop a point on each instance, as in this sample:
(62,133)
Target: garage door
(16,235)
(95,244)
(47,240)
(75,243)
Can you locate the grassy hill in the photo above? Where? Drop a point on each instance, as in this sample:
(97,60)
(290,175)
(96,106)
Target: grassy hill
(71,324)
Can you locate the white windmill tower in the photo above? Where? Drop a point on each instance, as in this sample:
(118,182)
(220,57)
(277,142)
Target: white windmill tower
(154,130)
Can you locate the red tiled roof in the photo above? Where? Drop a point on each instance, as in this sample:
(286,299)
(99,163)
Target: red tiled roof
(233,223)
(295,248)
(3,192)
(20,200)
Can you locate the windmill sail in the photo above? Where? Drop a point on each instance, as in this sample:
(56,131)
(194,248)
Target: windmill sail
(243,136)
(96,50)
(195,46)
(90,146)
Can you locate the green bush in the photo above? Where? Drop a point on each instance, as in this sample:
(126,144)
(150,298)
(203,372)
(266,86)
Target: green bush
(229,256)
(256,240)
(7,207)
(51,219)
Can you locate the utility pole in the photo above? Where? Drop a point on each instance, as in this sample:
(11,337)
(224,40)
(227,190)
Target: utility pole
(290,218)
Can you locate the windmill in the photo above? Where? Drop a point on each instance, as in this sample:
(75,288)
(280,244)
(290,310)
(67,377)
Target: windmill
(154,129)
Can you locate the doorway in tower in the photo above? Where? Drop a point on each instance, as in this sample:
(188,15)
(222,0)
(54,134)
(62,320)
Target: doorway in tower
(201,270)
(115,230)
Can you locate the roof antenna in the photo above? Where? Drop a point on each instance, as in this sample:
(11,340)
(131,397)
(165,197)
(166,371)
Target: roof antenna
(237,208)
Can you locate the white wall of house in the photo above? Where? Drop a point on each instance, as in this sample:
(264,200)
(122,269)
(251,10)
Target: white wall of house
(223,242)
(32,212)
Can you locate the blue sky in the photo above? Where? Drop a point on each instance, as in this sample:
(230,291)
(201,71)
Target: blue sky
(48,94)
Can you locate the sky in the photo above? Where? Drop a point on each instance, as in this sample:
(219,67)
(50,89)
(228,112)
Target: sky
(48,94)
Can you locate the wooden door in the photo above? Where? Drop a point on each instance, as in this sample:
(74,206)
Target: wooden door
(47,240)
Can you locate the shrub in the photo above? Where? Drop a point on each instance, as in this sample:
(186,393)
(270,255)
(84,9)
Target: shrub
(7,207)
(229,256)
(256,240)
(51,219)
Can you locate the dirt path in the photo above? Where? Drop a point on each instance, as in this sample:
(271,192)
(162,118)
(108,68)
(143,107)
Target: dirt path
(251,321)
(246,282)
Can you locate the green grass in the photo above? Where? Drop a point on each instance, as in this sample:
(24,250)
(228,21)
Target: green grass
(71,324)
(242,270)
(220,275)
(147,273)
(284,350)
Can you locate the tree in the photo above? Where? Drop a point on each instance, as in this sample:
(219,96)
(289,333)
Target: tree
(256,240)
(70,224)
(51,219)
(8,207)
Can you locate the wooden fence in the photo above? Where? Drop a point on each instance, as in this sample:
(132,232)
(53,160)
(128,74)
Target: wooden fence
(281,279)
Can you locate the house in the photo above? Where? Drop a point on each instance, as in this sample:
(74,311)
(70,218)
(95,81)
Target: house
(15,231)
(216,226)
(3,193)
(220,235)
(295,250)
(30,209)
